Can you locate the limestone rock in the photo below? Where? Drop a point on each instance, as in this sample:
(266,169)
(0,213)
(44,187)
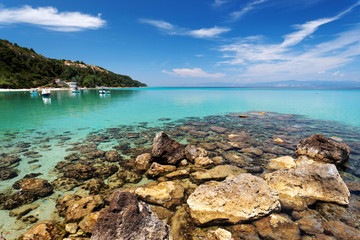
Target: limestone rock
(78,171)
(166,150)
(277,227)
(192,152)
(204,162)
(243,197)
(218,129)
(82,207)
(310,181)
(219,234)
(143,161)
(281,163)
(182,173)
(157,170)
(167,194)
(323,149)
(217,173)
(37,187)
(88,223)
(126,218)
(244,231)
(45,230)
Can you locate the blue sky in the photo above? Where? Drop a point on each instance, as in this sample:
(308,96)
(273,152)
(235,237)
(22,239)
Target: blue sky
(191,43)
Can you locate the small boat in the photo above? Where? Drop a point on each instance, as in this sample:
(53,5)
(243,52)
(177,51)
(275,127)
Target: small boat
(33,93)
(104,91)
(45,93)
(75,90)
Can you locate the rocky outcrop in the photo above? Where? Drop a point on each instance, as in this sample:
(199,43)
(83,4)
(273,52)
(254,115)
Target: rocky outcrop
(217,173)
(126,218)
(323,149)
(78,171)
(113,156)
(167,194)
(310,181)
(243,197)
(166,150)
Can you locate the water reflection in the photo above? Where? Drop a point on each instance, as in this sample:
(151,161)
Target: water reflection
(46,100)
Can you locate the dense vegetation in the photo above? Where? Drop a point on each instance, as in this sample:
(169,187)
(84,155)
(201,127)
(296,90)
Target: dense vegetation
(23,68)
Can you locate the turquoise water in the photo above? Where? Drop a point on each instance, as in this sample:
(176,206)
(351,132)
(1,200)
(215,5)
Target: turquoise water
(67,110)
(43,131)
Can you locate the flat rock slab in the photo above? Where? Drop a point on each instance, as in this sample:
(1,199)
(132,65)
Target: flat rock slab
(310,181)
(217,173)
(243,197)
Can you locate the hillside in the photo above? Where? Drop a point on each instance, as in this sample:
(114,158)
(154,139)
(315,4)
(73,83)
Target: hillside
(23,68)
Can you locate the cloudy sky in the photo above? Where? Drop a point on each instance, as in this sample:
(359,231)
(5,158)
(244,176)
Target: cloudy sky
(187,42)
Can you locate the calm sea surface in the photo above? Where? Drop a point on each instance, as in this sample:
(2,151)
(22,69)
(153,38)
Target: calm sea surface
(40,132)
(66,110)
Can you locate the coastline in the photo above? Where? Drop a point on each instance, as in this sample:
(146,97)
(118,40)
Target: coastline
(53,89)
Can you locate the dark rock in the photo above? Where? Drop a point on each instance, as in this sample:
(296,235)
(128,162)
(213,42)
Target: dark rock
(341,231)
(95,186)
(113,156)
(95,154)
(126,218)
(64,184)
(244,231)
(277,227)
(38,187)
(78,171)
(167,150)
(129,176)
(9,162)
(6,174)
(72,157)
(323,149)
(104,171)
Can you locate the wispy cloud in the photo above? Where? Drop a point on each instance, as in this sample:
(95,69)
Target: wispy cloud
(258,59)
(219,3)
(250,6)
(50,18)
(195,72)
(171,29)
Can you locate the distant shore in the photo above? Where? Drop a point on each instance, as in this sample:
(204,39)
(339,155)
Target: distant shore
(51,89)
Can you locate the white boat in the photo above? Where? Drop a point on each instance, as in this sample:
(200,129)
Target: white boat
(104,91)
(45,93)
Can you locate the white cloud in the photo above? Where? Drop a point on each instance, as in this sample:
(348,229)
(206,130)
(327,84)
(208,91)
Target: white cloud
(285,60)
(50,18)
(174,30)
(219,3)
(207,32)
(250,6)
(195,72)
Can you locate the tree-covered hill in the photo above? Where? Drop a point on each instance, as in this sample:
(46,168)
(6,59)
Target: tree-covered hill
(23,68)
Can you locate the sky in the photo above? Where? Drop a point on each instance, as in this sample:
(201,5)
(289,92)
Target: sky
(195,42)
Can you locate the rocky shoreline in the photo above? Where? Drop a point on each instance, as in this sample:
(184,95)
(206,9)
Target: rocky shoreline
(222,184)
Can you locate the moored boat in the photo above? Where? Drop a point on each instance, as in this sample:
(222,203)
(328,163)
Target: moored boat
(104,91)
(45,93)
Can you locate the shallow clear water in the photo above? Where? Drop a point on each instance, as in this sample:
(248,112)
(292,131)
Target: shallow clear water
(42,130)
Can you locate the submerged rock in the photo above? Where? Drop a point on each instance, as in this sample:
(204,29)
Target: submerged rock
(78,171)
(310,181)
(166,150)
(8,173)
(9,162)
(323,149)
(126,218)
(243,197)
(113,156)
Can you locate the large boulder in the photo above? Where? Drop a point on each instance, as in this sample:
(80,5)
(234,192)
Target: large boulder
(323,149)
(244,197)
(166,150)
(167,194)
(126,218)
(310,181)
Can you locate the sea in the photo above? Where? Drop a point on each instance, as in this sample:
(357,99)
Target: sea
(41,130)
